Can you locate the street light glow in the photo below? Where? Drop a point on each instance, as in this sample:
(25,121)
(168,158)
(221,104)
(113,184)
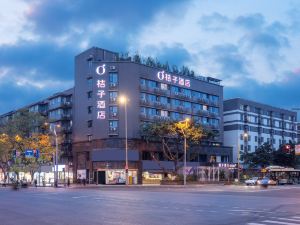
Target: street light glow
(123,99)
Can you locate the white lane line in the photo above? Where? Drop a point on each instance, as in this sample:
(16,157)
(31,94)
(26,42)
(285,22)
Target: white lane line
(293,220)
(279,222)
(255,223)
(84,196)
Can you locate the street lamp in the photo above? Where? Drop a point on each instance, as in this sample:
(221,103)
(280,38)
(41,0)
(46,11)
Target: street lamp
(184,135)
(245,135)
(123,100)
(55,159)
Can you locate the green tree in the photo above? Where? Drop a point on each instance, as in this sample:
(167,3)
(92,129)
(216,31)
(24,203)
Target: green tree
(285,158)
(170,135)
(261,157)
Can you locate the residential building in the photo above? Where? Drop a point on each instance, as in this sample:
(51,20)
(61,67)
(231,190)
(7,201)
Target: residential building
(249,124)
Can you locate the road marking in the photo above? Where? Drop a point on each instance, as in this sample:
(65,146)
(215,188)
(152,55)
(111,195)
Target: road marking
(293,220)
(84,196)
(255,224)
(279,222)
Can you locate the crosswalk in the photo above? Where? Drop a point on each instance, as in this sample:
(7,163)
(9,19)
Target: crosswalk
(293,220)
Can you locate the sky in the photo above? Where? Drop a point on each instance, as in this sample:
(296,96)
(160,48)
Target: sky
(253,46)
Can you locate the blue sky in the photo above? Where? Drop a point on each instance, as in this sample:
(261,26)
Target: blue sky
(252,45)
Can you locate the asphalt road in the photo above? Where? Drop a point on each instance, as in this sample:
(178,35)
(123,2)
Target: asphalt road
(232,205)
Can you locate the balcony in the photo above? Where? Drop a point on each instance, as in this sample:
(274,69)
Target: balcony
(66,117)
(161,91)
(203,112)
(181,95)
(213,114)
(161,118)
(113,100)
(67,129)
(213,103)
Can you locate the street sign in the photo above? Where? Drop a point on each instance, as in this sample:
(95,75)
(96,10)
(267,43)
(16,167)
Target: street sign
(29,153)
(297,149)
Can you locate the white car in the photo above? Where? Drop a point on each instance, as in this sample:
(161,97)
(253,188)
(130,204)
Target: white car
(252,181)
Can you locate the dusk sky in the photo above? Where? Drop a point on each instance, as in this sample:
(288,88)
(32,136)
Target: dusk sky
(253,46)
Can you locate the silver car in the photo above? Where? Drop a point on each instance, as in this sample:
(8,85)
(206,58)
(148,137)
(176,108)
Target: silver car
(251,181)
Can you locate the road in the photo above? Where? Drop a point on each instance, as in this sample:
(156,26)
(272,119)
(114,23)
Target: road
(215,205)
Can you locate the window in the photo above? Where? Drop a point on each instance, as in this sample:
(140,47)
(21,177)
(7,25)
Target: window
(113,79)
(164,100)
(142,82)
(152,112)
(164,113)
(242,147)
(187,92)
(90,81)
(143,111)
(152,98)
(164,86)
(90,123)
(197,107)
(152,84)
(175,116)
(113,111)
(143,96)
(89,94)
(90,109)
(187,105)
(175,102)
(113,125)
(174,89)
(249,148)
(205,107)
(89,137)
(255,138)
(113,95)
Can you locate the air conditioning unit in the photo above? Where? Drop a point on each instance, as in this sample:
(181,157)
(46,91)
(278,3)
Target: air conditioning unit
(113,99)
(113,129)
(113,84)
(114,114)
(112,67)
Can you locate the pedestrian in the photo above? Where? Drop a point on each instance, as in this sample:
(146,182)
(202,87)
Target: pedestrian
(35,183)
(68,182)
(84,182)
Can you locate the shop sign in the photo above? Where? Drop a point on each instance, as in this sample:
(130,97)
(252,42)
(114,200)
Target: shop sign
(228,165)
(297,149)
(101,92)
(163,76)
(81,174)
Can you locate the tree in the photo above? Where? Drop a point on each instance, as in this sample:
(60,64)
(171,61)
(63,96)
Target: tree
(21,133)
(262,157)
(285,158)
(171,135)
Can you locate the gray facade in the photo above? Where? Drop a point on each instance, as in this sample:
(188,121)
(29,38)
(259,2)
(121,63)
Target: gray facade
(153,94)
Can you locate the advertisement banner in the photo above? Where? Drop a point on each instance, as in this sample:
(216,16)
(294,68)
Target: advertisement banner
(297,149)
(81,174)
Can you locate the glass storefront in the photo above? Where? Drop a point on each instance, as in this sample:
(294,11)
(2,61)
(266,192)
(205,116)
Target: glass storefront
(118,176)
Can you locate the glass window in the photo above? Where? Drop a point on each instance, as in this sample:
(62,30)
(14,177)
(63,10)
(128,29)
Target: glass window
(175,116)
(113,110)
(143,96)
(113,124)
(152,84)
(152,98)
(174,89)
(197,107)
(164,113)
(113,78)
(164,86)
(175,102)
(90,137)
(90,81)
(90,109)
(113,95)
(187,105)
(142,82)
(187,92)
(143,110)
(90,94)
(164,100)
(152,112)
(205,107)
(90,123)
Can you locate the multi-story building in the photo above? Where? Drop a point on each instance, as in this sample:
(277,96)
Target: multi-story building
(249,124)
(92,121)
(58,111)
(153,94)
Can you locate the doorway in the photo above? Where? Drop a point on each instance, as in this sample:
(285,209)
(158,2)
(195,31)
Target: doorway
(101,177)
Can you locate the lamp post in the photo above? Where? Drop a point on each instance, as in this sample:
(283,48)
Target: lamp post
(184,163)
(124,100)
(245,135)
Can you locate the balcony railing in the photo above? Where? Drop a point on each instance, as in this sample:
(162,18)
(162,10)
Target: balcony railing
(113,131)
(113,115)
(113,86)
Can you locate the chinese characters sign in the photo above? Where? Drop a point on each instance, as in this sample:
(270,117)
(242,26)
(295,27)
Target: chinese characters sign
(101,85)
(161,75)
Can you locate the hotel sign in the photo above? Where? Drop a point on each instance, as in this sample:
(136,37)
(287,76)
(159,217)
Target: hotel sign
(162,75)
(101,92)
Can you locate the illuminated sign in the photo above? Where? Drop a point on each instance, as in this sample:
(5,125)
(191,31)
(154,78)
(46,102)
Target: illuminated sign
(162,75)
(297,149)
(101,85)
(100,70)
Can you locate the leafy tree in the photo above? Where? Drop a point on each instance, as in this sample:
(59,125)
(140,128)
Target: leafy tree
(285,158)
(171,135)
(261,157)
(21,133)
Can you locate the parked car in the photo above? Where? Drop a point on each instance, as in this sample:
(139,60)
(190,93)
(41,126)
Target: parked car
(251,181)
(266,181)
(283,181)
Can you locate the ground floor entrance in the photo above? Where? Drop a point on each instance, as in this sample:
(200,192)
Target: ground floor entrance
(115,176)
